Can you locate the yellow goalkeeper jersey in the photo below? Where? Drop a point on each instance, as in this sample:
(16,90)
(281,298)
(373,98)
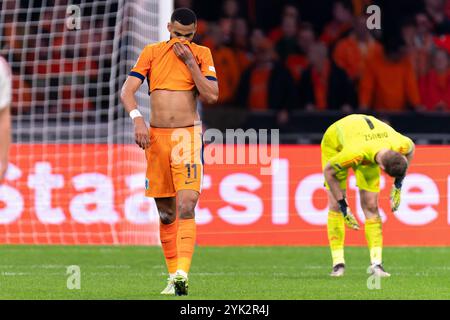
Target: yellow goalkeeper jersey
(358,138)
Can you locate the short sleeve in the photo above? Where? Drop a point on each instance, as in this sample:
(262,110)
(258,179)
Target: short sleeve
(5,84)
(207,65)
(403,144)
(346,158)
(143,64)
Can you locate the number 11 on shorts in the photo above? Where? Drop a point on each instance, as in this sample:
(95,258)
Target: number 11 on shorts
(189,167)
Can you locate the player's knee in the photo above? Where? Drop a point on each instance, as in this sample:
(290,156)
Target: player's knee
(186,208)
(167,215)
(371,207)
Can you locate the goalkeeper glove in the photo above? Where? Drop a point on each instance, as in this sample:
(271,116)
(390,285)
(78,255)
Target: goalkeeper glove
(349,219)
(396,194)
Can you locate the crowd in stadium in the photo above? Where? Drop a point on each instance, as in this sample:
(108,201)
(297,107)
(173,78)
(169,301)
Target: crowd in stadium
(273,55)
(55,69)
(339,64)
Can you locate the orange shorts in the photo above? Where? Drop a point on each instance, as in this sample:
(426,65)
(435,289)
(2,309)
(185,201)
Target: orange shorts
(174,161)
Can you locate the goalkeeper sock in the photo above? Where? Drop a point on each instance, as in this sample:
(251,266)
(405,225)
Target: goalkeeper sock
(374,237)
(168,236)
(186,243)
(336,236)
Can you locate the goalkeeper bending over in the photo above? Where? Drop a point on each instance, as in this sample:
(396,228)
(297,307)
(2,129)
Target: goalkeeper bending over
(365,144)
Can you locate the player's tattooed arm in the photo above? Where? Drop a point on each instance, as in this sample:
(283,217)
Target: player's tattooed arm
(208,90)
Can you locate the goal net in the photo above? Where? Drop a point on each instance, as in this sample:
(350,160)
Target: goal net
(75,174)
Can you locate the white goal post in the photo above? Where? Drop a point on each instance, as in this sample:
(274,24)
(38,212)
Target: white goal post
(75,174)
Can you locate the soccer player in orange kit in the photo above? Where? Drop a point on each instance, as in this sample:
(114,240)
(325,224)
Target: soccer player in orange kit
(178,72)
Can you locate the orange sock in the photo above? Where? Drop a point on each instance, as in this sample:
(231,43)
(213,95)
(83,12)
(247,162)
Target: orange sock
(168,235)
(186,243)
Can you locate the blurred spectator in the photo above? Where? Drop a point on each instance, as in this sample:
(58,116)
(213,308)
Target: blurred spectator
(298,62)
(389,82)
(436,11)
(424,41)
(287,44)
(290,10)
(419,55)
(267,84)
(351,52)
(240,44)
(341,23)
(435,85)
(324,85)
(226,64)
(230,12)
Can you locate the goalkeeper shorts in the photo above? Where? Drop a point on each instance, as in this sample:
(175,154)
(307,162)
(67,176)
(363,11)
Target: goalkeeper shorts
(367,176)
(174,161)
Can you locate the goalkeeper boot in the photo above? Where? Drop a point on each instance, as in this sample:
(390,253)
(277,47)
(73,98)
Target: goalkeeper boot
(170,288)
(338,270)
(181,284)
(378,271)
(350,221)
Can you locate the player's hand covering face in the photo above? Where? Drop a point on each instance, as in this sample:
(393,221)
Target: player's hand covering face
(183,52)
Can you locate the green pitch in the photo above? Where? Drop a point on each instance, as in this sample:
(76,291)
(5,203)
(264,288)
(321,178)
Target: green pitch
(39,272)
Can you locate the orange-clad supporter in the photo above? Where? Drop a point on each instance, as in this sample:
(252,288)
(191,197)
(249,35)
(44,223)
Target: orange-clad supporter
(240,44)
(178,72)
(435,85)
(298,62)
(227,66)
(267,84)
(341,23)
(289,10)
(324,85)
(389,82)
(351,52)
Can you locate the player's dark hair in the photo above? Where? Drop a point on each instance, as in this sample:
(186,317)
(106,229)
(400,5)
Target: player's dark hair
(395,164)
(185,16)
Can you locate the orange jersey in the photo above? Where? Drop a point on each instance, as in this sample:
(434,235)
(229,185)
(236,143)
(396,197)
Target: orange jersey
(164,70)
